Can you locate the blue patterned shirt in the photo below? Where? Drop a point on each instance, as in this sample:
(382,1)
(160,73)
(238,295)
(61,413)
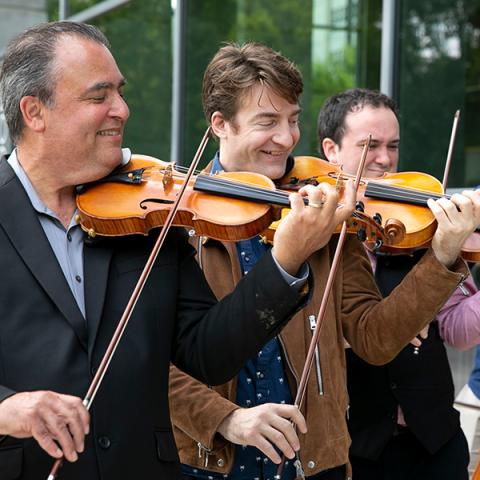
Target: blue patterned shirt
(261,380)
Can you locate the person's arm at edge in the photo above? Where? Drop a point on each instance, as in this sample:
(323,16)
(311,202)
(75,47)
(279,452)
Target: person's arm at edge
(459,319)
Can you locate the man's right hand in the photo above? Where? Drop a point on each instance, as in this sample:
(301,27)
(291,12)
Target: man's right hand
(58,422)
(263,427)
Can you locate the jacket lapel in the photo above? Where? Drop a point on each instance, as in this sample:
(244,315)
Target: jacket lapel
(96,263)
(20,222)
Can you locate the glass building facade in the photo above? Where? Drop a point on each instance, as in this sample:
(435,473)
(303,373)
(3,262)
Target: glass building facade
(337,44)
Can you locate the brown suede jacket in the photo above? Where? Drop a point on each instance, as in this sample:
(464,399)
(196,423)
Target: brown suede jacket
(376,329)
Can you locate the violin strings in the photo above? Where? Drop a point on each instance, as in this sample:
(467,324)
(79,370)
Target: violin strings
(387,191)
(277,196)
(247,187)
(252,190)
(392,192)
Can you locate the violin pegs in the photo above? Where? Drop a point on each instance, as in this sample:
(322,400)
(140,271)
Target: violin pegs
(360,206)
(377,245)
(361,234)
(377,218)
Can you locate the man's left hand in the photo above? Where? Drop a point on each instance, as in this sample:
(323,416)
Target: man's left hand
(457,219)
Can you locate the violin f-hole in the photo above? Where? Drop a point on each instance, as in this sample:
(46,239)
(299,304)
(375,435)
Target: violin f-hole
(154,200)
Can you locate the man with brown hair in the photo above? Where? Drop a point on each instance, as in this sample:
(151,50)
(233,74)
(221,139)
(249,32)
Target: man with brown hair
(251,99)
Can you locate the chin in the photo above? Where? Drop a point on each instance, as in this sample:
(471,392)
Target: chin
(111,159)
(276,174)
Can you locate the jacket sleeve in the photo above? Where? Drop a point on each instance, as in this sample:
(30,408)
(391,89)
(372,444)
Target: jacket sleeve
(377,329)
(212,343)
(198,410)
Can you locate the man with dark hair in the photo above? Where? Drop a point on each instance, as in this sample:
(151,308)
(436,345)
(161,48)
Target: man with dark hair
(251,99)
(62,297)
(402,421)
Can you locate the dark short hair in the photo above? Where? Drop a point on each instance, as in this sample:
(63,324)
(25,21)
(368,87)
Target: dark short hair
(235,69)
(332,115)
(29,67)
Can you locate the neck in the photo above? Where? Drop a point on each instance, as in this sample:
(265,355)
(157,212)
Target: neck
(55,194)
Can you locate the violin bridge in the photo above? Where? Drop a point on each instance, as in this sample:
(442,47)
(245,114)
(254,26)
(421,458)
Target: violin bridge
(167,179)
(340,184)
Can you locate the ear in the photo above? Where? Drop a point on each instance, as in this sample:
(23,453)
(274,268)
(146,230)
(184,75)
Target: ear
(219,125)
(330,148)
(32,113)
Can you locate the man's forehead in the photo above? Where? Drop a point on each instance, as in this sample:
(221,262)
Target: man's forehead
(359,121)
(87,64)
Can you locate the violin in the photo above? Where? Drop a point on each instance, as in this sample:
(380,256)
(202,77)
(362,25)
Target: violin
(228,206)
(402,196)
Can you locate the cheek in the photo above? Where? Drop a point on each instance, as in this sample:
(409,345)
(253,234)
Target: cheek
(256,141)
(394,161)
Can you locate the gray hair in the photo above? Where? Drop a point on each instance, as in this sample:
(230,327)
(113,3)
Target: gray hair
(28,67)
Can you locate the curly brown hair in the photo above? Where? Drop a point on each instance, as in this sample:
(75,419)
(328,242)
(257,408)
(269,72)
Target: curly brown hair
(235,69)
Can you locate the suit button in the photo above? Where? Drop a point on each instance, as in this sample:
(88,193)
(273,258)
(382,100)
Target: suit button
(104,442)
(220,462)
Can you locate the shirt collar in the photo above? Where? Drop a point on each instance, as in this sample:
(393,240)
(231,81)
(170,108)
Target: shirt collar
(216,165)
(37,203)
(35,200)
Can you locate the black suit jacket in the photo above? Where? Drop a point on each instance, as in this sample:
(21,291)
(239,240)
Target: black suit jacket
(45,343)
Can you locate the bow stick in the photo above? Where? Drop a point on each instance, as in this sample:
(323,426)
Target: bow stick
(453,136)
(302,386)
(122,324)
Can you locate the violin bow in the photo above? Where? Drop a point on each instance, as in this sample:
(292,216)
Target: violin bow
(453,136)
(302,386)
(122,324)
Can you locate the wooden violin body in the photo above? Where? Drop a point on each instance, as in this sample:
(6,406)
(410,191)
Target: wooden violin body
(227,206)
(117,208)
(394,197)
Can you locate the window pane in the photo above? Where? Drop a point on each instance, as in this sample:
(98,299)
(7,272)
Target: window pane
(335,43)
(440,73)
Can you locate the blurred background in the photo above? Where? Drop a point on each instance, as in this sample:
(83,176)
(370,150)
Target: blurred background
(424,54)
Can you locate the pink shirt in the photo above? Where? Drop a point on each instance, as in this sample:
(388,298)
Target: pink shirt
(459,319)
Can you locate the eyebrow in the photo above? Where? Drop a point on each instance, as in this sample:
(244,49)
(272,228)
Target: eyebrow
(273,114)
(104,86)
(362,142)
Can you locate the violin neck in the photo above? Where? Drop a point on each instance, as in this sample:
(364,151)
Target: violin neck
(231,189)
(400,194)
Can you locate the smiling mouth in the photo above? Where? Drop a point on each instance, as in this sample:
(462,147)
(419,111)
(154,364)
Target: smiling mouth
(274,153)
(109,133)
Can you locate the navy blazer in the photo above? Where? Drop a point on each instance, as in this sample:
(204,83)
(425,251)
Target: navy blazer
(46,344)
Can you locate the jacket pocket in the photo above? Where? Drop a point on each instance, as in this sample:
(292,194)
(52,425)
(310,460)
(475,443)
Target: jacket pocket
(166,447)
(11,462)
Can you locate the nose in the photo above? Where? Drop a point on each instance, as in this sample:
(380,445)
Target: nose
(286,136)
(383,157)
(119,108)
